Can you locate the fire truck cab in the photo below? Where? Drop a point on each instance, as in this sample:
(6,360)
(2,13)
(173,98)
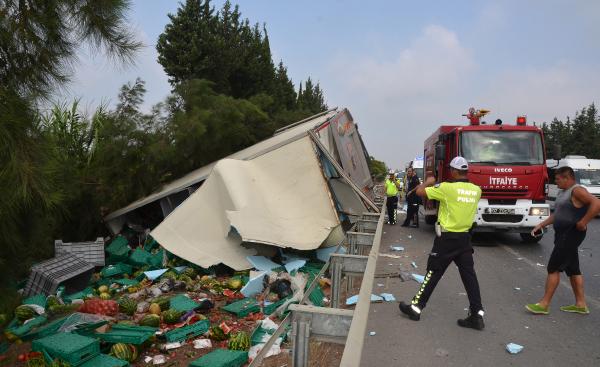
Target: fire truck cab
(508,162)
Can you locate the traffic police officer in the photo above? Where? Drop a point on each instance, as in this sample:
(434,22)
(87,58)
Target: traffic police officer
(392,185)
(457,207)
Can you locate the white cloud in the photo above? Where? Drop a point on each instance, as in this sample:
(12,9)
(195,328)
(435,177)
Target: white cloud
(544,93)
(402,100)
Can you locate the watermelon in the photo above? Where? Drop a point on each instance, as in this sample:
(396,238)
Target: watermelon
(239,341)
(150,320)
(127,306)
(171,316)
(163,302)
(126,352)
(24,313)
(217,334)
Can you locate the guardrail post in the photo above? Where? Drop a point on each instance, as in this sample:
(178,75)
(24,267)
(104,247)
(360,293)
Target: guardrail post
(336,282)
(300,340)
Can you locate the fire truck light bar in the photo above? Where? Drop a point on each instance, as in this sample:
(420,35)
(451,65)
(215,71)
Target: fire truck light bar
(521,120)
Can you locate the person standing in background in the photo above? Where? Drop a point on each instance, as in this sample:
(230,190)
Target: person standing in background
(392,186)
(412,199)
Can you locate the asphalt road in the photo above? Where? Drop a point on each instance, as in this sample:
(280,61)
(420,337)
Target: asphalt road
(511,274)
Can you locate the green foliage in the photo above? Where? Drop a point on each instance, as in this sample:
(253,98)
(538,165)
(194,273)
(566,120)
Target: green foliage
(580,136)
(38,43)
(235,56)
(377,169)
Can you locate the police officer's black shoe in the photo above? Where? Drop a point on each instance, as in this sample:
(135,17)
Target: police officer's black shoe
(473,321)
(410,311)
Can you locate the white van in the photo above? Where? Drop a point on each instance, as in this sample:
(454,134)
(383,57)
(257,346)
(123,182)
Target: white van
(587,174)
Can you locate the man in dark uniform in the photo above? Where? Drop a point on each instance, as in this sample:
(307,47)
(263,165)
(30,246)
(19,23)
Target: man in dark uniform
(575,208)
(458,205)
(412,199)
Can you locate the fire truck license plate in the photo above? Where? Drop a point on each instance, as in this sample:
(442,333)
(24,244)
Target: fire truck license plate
(501,211)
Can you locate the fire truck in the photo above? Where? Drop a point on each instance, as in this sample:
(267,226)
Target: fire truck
(507,161)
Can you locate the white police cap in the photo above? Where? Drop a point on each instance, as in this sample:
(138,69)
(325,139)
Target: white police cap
(459,163)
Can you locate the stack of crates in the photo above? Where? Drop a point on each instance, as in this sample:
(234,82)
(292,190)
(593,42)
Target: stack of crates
(69,270)
(92,251)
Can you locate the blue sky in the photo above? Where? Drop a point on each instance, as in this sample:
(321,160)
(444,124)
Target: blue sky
(402,68)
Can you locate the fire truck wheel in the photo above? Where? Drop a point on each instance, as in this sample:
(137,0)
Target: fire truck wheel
(528,238)
(430,219)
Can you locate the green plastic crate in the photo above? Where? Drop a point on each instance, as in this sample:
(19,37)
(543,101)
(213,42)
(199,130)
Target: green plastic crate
(71,348)
(182,303)
(243,307)
(221,358)
(79,295)
(45,330)
(117,269)
(267,310)
(127,334)
(258,334)
(139,257)
(38,299)
(22,330)
(189,331)
(117,251)
(104,360)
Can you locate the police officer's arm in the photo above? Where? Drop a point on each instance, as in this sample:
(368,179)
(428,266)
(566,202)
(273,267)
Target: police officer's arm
(430,181)
(584,198)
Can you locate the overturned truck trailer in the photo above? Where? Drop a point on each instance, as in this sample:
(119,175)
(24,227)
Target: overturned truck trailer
(293,190)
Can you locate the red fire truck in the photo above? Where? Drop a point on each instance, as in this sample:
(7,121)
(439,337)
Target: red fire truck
(508,162)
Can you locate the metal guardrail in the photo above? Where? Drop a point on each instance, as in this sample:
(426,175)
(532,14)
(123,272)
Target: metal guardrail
(332,324)
(356,335)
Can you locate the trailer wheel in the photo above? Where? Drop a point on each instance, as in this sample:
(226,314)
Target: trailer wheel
(430,219)
(528,238)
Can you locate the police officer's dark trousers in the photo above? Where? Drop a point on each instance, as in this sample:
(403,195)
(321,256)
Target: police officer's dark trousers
(412,210)
(391,205)
(450,247)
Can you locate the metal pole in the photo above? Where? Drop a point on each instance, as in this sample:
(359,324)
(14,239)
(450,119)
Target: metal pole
(300,350)
(336,283)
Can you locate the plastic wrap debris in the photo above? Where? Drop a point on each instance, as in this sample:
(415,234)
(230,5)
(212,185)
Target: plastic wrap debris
(173,345)
(414,264)
(323,254)
(397,248)
(179,269)
(297,282)
(268,324)
(273,351)
(159,359)
(513,348)
(262,263)
(148,359)
(202,343)
(372,333)
(418,278)
(391,256)
(75,319)
(388,297)
(254,286)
